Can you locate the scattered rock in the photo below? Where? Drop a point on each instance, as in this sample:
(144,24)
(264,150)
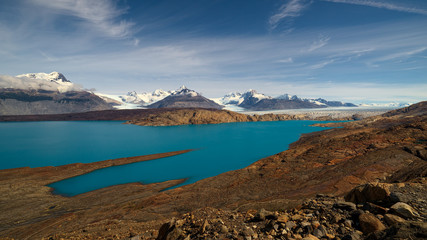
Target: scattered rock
(352,236)
(318,233)
(349,206)
(169,231)
(326,218)
(391,219)
(224,229)
(373,208)
(290,225)
(296,217)
(310,237)
(264,214)
(282,218)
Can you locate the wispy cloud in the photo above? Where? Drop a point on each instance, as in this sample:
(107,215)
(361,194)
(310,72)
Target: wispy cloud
(322,64)
(286,60)
(384,5)
(102,15)
(375,62)
(288,11)
(404,54)
(322,41)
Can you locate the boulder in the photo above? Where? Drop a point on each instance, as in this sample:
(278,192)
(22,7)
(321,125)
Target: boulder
(369,223)
(371,192)
(403,210)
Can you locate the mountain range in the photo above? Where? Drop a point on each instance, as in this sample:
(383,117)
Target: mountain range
(50,93)
(250,100)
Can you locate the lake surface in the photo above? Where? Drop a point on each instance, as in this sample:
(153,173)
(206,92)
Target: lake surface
(219,148)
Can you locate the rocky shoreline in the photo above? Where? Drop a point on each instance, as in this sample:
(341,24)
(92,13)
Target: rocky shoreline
(208,116)
(173,116)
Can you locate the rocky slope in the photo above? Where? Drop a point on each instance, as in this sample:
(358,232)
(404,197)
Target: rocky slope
(381,149)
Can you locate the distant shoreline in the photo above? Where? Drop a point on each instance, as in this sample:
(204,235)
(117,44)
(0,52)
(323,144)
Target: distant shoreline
(155,115)
(333,112)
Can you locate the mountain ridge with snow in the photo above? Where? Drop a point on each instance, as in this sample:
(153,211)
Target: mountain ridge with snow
(249,100)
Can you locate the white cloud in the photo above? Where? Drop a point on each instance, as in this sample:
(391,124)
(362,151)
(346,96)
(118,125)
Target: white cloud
(290,10)
(384,5)
(98,14)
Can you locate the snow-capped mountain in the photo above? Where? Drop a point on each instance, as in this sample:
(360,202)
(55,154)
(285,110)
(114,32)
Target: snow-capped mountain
(288,97)
(144,99)
(236,98)
(252,100)
(185,98)
(132,97)
(321,101)
(53,81)
(231,98)
(53,77)
(43,93)
(183,90)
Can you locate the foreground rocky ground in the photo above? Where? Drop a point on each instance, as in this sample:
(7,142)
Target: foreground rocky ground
(389,149)
(371,211)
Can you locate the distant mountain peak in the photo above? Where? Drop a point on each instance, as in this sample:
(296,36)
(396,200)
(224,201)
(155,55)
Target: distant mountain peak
(183,90)
(53,77)
(53,81)
(284,97)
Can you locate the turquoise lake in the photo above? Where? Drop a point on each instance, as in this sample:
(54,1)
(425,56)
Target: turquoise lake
(219,148)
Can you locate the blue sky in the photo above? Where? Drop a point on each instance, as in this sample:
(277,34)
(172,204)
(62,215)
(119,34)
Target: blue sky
(352,50)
